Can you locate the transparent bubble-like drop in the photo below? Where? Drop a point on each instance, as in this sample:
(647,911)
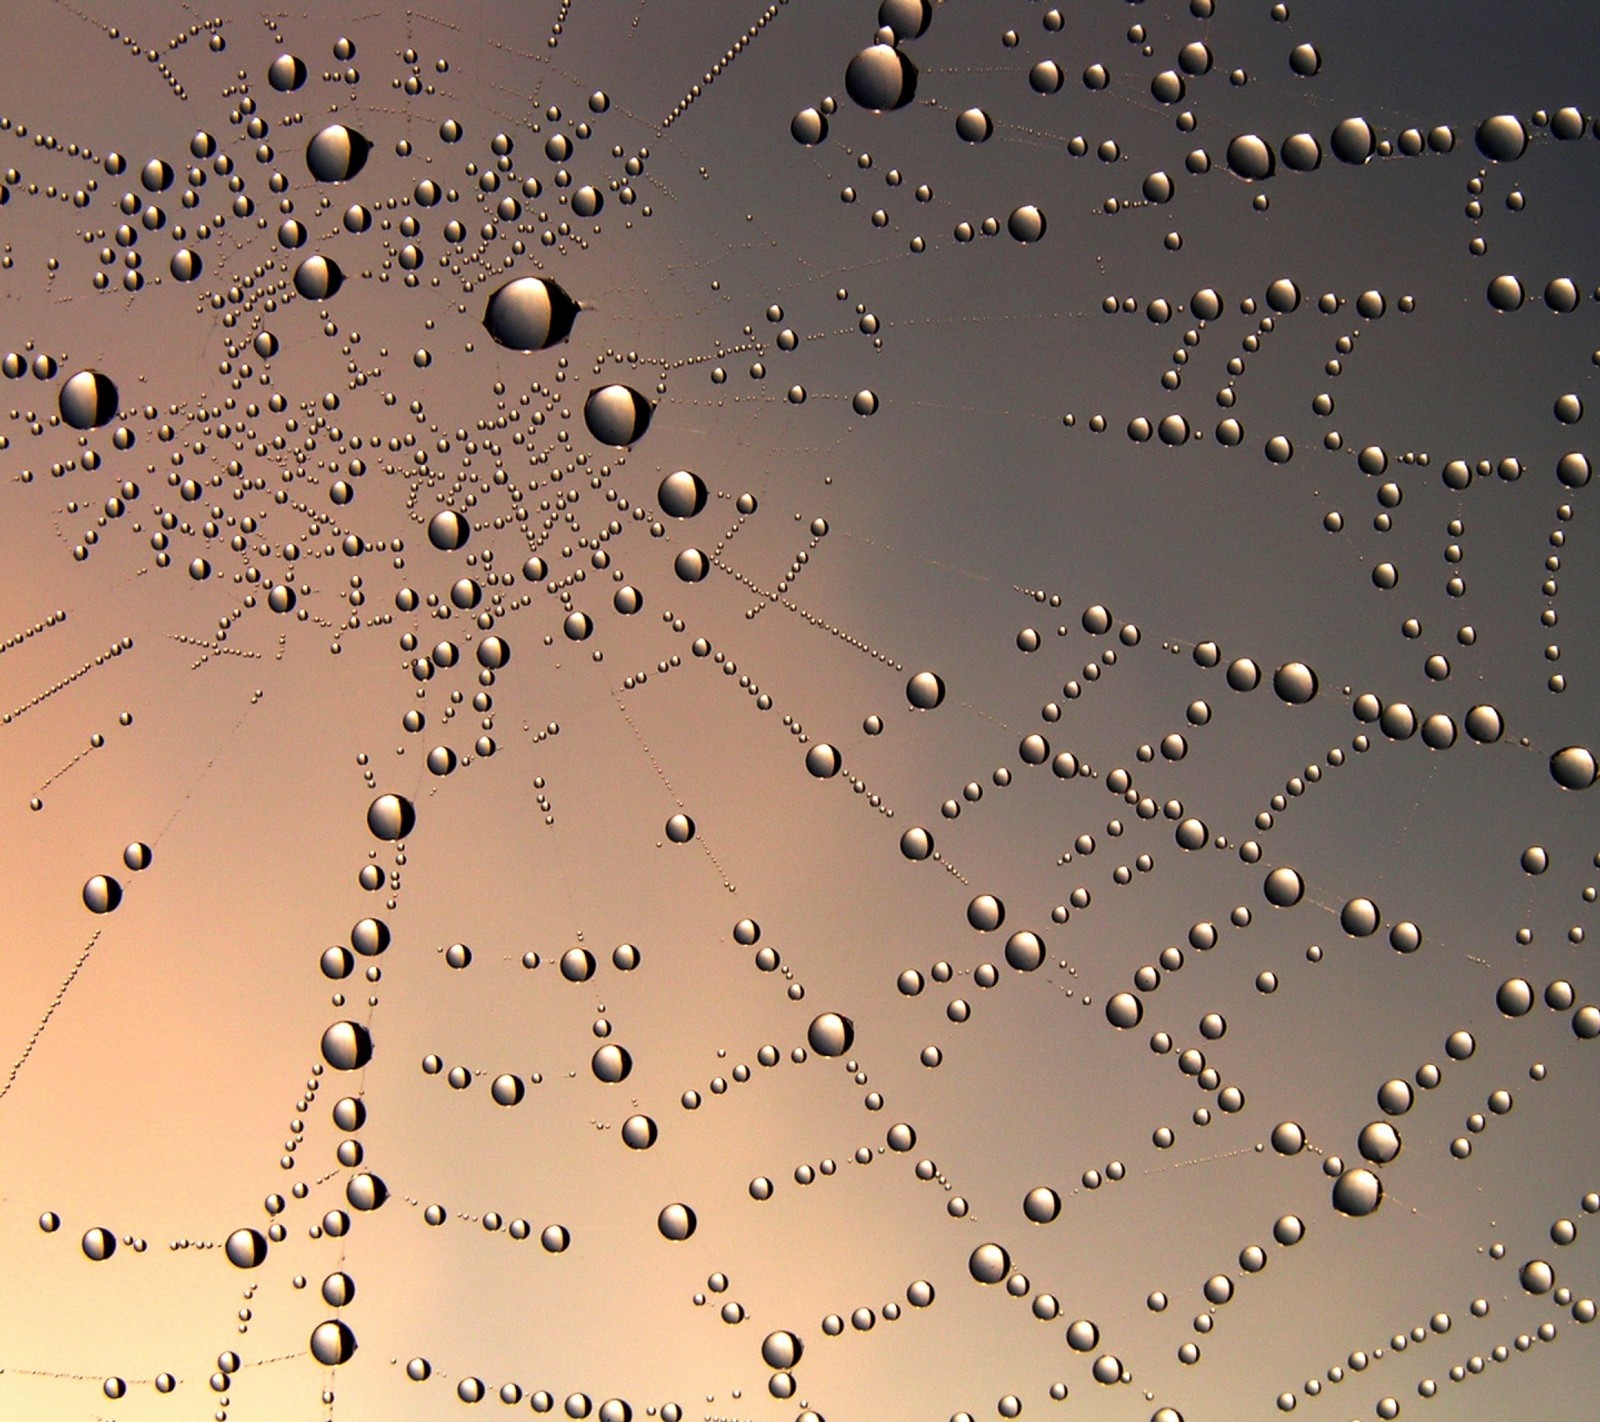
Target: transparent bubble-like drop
(1295,683)
(1025,951)
(391,817)
(781,1349)
(809,127)
(986,913)
(317,278)
(1288,1138)
(682,494)
(905,19)
(925,690)
(1502,139)
(823,761)
(1378,1142)
(102,894)
(333,1343)
(1357,1192)
(448,530)
(98,1244)
(1026,223)
(88,400)
(676,1222)
(1284,887)
(1124,1010)
(831,1034)
(1250,157)
(1537,1277)
(336,154)
(1359,918)
(529,314)
(286,73)
(611,1063)
(1041,1205)
(616,415)
(1573,768)
(507,1090)
(246,1248)
(346,1046)
(639,1133)
(989,1264)
(881,78)
(974,126)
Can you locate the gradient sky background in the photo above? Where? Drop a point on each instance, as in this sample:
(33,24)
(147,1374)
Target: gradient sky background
(996,520)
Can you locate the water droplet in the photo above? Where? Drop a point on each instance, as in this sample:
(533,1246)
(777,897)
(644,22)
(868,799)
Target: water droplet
(102,894)
(391,817)
(336,154)
(88,400)
(616,414)
(529,314)
(676,1222)
(1357,1192)
(989,1264)
(880,77)
(1573,768)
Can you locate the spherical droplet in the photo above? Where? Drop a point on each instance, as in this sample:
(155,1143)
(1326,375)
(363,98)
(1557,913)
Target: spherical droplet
(318,278)
(880,77)
(1357,1191)
(781,1349)
(99,1244)
(676,1222)
(1573,768)
(680,829)
(88,400)
(1250,157)
(830,1034)
(925,690)
(638,1133)
(986,913)
(823,761)
(336,154)
(1378,1142)
(529,314)
(989,1264)
(974,126)
(1041,1204)
(682,494)
(1288,1138)
(1026,223)
(1284,887)
(616,414)
(286,73)
(611,1063)
(1502,138)
(1537,1277)
(333,1343)
(1506,292)
(102,894)
(1359,918)
(507,1090)
(1124,1010)
(346,1046)
(809,127)
(1025,951)
(246,1248)
(391,817)
(1295,683)
(448,530)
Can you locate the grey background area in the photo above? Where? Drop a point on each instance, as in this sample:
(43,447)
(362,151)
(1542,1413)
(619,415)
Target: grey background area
(227,632)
